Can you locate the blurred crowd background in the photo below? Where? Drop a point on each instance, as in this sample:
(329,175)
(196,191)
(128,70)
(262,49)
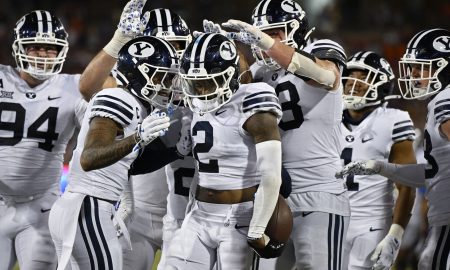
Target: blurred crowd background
(383,26)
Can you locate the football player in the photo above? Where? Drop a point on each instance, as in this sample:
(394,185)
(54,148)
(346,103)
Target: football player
(425,75)
(156,195)
(114,131)
(306,78)
(40,110)
(236,145)
(372,131)
(146,196)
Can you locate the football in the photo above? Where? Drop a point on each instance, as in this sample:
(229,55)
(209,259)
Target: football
(280,224)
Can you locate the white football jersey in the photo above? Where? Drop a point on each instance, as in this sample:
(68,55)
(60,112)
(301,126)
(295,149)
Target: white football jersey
(437,153)
(372,138)
(150,191)
(310,129)
(224,151)
(35,127)
(108,182)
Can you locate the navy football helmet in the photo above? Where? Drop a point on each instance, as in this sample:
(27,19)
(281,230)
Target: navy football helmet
(287,15)
(43,28)
(166,24)
(378,80)
(209,71)
(427,58)
(146,66)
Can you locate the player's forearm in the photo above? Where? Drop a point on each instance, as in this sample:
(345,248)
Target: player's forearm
(403,205)
(95,74)
(100,156)
(281,53)
(412,175)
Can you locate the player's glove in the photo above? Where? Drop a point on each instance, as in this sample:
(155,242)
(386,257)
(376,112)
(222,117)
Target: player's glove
(249,34)
(184,144)
(387,250)
(367,167)
(153,126)
(132,23)
(266,247)
(210,27)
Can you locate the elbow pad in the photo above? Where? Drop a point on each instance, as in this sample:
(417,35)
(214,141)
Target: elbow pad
(304,64)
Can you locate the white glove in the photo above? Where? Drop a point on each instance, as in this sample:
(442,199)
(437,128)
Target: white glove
(366,167)
(184,144)
(131,25)
(153,126)
(126,206)
(387,250)
(210,27)
(249,34)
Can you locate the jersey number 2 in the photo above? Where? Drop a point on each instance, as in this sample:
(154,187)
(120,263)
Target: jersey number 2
(213,165)
(17,127)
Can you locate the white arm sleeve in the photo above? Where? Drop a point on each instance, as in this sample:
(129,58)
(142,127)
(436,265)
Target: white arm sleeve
(305,66)
(269,164)
(412,175)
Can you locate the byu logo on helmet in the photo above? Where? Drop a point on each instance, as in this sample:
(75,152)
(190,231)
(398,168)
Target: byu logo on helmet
(442,43)
(141,49)
(386,65)
(227,50)
(291,6)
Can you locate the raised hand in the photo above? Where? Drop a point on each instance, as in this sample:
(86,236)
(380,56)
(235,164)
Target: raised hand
(132,23)
(248,34)
(367,167)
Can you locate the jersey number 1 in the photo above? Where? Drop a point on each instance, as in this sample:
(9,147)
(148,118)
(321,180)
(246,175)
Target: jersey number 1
(347,157)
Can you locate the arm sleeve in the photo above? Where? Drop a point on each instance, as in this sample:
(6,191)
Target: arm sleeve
(153,157)
(266,197)
(412,175)
(286,183)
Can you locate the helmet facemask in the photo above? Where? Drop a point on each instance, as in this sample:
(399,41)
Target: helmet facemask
(216,89)
(40,68)
(158,88)
(373,80)
(428,70)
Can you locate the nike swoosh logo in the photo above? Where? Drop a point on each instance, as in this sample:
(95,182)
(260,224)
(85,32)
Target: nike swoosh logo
(45,210)
(52,98)
(240,227)
(304,214)
(366,140)
(373,230)
(220,112)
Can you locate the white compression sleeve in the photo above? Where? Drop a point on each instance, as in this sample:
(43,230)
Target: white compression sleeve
(304,66)
(269,164)
(406,174)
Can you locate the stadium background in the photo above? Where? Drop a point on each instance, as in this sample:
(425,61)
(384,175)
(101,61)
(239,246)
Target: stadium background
(383,26)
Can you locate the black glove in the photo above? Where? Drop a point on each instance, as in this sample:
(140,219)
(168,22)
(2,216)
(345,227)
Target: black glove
(273,249)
